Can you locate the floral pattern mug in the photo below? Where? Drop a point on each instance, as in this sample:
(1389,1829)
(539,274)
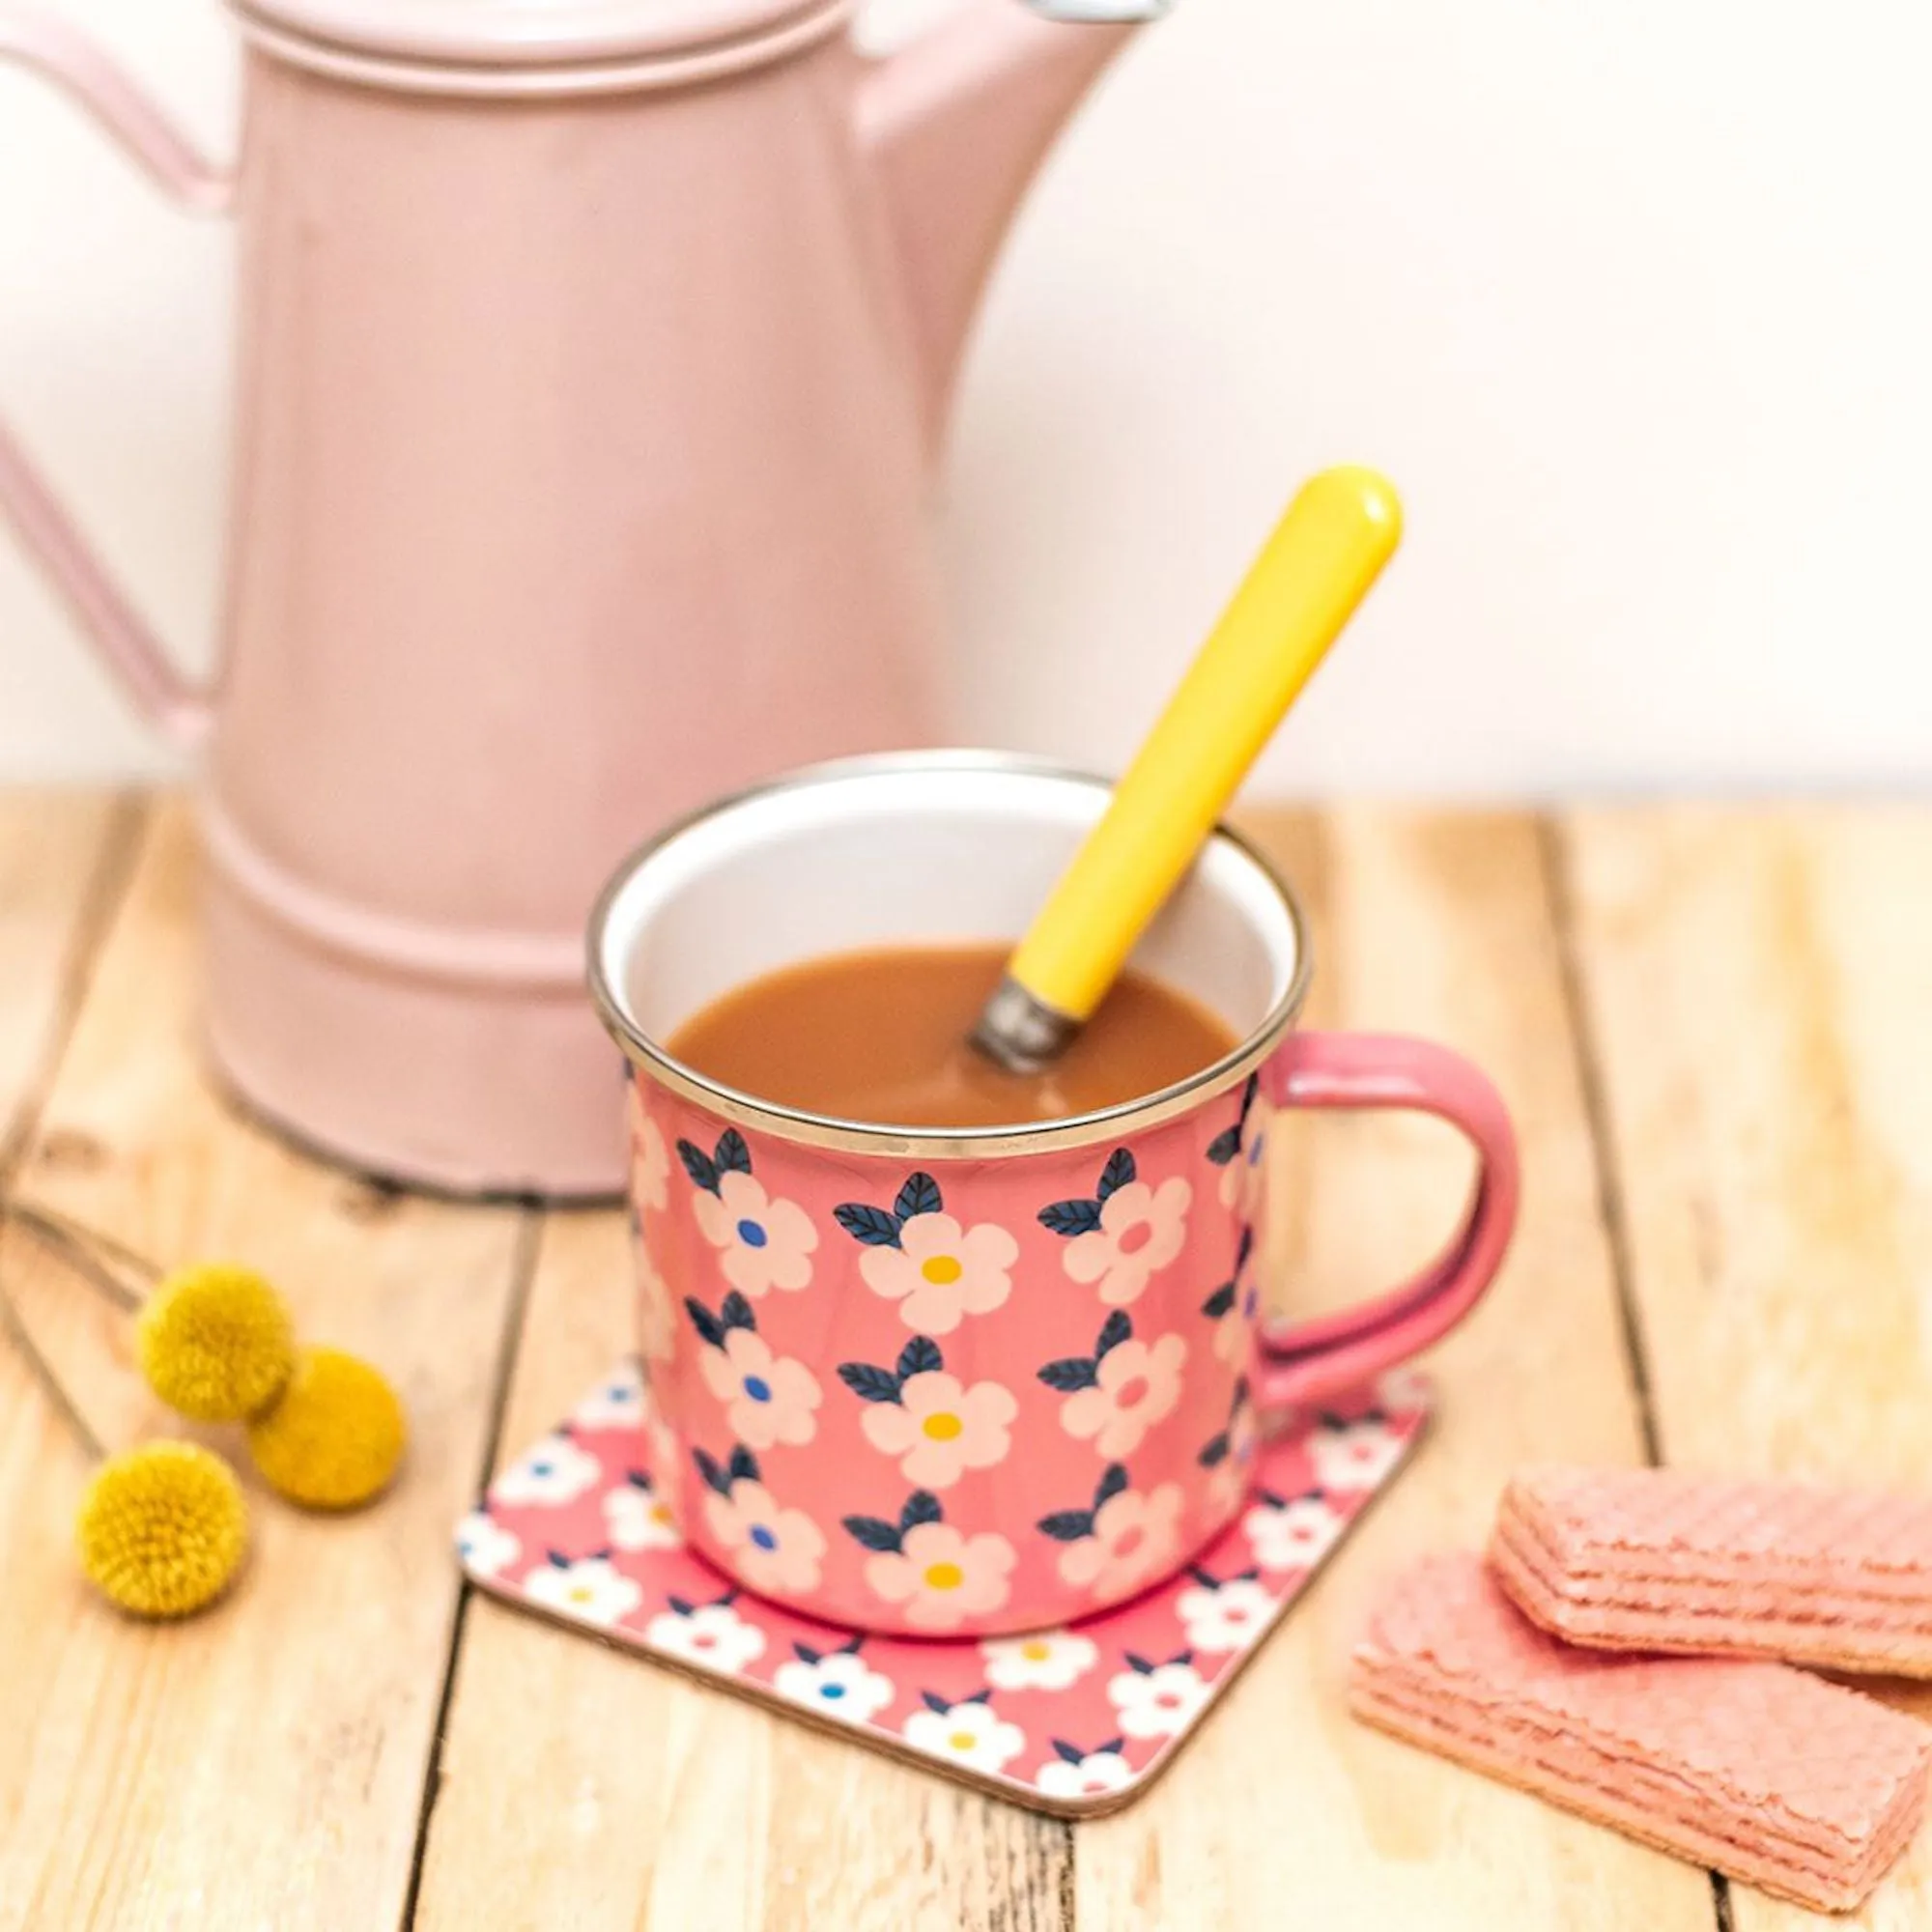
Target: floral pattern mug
(965,1382)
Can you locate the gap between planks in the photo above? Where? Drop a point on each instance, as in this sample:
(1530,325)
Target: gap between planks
(523,1271)
(113,873)
(1612,1206)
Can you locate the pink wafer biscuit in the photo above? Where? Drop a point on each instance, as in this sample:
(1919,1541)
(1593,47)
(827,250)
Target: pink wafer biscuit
(1771,1775)
(1657,1561)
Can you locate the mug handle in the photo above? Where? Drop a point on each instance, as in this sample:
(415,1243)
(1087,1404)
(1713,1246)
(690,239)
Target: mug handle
(1307,1362)
(43,41)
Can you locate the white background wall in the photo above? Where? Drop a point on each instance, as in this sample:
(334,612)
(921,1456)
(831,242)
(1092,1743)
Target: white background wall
(1634,302)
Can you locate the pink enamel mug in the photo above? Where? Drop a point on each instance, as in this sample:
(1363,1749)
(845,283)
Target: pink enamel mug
(962,1383)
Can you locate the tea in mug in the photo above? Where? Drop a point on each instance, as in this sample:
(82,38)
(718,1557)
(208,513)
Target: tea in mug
(881,1035)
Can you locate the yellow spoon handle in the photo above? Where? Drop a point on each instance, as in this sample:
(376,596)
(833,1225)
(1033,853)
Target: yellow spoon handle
(1316,570)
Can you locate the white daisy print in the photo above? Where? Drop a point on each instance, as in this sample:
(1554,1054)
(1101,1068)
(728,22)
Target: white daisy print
(1120,1391)
(637,1517)
(931,1422)
(1071,1773)
(1351,1455)
(657,1319)
(555,1472)
(1157,1700)
(776,1550)
(969,1733)
(617,1402)
(1046,1660)
(650,1159)
(589,1591)
(940,1576)
(768,1399)
(713,1635)
(1295,1534)
(917,1255)
(835,1684)
(1224,1617)
(1125,1539)
(762,1242)
(1125,1233)
(487,1549)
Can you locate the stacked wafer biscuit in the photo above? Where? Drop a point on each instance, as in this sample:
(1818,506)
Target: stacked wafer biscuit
(1627,1651)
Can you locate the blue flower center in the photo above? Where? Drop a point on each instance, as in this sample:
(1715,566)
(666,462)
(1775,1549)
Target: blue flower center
(752,1234)
(1254,1148)
(539,1468)
(763,1537)
(832,1692)
(757,1388)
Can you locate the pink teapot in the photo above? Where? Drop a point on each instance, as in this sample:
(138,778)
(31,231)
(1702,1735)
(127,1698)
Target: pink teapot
(593,359)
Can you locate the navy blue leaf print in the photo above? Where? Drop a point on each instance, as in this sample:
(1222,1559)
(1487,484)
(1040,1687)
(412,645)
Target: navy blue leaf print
(715,1478)
(637,1480)
(1223,1146)
(1067,1218)
(704,1321)
(806,1653)
(735,1312)
(1215,1452)
(872,1226)
(872,1533)
(1181,1657)
(867,1383)
(1111,1482)
(1248,1094)
(1246,1248)
(1204,1578)
(935,1702)
(1116,1329)
(732,1155)
(698,1164)
(1076,1372)
(919,1357)
(918,1196)
(1067,1525)
(558,1560)
(743,1466)
(1118,1171)
(1069,1754)
(922,1506)
(1220,1302)
(1140,1664)
(680,1605)
(1114,1745)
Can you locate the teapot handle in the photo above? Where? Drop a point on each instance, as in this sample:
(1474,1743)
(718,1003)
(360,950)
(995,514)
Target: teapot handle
(176,706)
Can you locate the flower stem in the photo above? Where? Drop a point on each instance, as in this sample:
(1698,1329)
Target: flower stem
(43,1371)
(82,1249)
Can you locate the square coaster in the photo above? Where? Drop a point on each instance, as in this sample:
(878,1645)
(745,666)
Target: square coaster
(1073,1722)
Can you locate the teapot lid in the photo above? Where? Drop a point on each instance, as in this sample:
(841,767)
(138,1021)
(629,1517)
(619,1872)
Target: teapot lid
(529,33)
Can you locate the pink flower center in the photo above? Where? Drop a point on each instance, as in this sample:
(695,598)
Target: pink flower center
(1131,1241)
(1129,1540)
(1132,1392)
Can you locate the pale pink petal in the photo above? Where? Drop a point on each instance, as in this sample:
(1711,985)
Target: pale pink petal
(1085,1412)
(888,1272)
(891,1577)
(1089,1255)
(888,1428)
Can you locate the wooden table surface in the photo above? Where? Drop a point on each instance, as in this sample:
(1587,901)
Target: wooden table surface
(1715,1028)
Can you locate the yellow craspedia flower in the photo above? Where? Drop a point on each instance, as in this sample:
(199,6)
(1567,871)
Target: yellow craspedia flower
(163,1529)
(215,1343)
(334,1438)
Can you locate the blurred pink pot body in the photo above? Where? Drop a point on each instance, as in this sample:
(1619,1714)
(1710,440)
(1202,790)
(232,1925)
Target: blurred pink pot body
(593,357)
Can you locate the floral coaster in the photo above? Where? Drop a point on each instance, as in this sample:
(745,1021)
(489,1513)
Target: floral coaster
(1073,1721)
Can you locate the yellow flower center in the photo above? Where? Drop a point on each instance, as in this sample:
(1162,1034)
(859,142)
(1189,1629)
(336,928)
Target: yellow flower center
(1035,1650)
(962,1741)
(944,1577)
(582,1593)
(942,1270)
(943,1428)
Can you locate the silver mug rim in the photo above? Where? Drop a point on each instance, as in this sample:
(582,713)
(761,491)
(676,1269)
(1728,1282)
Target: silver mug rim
(803,1128)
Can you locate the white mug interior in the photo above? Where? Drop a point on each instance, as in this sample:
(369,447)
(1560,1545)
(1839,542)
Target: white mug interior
(921,849)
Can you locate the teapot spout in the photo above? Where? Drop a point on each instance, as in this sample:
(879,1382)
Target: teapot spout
(955,127)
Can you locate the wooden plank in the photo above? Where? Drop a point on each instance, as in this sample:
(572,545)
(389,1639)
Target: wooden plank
(263,1766)
(1285,1810)
(61,856)
(1758,990)
(583,1787)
